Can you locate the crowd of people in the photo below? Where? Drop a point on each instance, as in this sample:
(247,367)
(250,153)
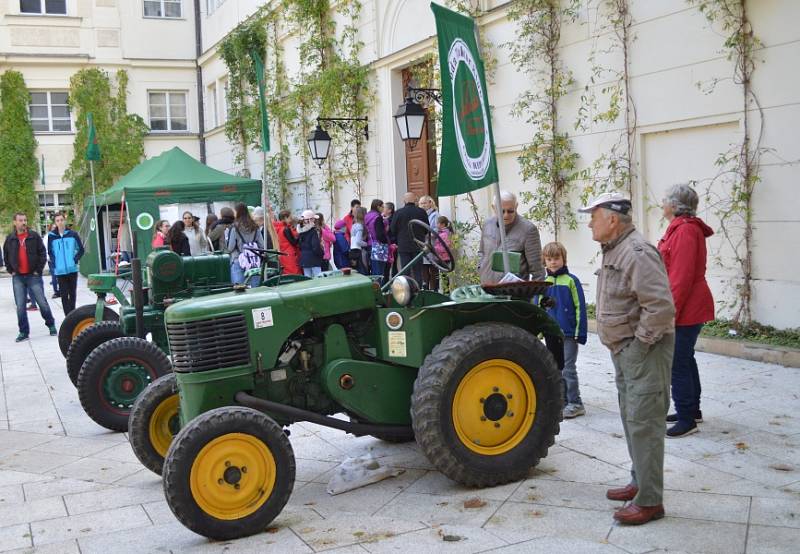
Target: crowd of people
(373,242)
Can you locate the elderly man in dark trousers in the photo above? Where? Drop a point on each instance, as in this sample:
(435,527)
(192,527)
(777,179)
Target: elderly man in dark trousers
(635,321)
(406,246)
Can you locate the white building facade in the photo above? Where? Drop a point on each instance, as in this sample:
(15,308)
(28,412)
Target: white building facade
(673,55)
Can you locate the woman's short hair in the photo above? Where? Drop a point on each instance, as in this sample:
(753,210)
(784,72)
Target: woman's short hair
(683,199)
(377,204)
(554,250)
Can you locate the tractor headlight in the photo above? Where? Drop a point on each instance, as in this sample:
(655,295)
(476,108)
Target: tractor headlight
(403,290)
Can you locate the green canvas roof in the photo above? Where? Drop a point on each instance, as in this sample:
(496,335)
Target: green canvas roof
(174,174)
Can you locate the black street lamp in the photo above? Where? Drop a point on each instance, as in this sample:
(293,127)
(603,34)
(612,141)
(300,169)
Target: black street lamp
(319,141)
(410,116)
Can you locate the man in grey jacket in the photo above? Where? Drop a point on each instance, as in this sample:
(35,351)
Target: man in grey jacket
(521,236)
(635,321)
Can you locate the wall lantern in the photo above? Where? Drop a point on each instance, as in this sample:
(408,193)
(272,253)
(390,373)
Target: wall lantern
(410,116)
(319,141)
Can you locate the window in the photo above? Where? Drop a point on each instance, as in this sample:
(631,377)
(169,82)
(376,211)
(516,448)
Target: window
(212,5)
(168,111)
(48,7)
(162,8)
(213,107)
(223,101)
(50,112)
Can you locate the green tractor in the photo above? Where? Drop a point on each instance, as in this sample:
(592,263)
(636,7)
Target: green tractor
(110,361)
(465,375)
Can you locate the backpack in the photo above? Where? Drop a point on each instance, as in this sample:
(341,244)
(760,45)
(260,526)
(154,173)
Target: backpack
(247,258)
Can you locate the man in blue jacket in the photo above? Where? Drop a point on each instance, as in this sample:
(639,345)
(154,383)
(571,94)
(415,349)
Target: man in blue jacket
(65,248)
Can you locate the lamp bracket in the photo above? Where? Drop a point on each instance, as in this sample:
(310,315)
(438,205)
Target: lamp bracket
(424,96)
(347,124)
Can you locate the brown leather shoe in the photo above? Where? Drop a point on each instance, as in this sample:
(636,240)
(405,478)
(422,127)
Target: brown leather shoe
(637,515)
(628,492)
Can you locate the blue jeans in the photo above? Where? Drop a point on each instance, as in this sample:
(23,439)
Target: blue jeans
(23,286)
(312,271)
(377,268)
(237,276)
(685,377)
(572,392)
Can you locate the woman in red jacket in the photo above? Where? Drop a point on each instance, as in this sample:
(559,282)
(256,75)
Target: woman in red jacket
(288,243)
(683,249)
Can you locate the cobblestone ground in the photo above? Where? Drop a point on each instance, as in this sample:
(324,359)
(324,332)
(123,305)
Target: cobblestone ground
(67,485)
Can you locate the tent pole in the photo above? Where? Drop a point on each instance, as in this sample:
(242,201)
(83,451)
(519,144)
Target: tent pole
(96,221)
(498,207)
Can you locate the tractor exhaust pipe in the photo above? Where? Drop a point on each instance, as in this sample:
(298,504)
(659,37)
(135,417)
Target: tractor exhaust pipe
(138,296)
(296,414)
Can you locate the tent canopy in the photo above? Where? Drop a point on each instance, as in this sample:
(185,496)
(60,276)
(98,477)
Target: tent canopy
(173,174)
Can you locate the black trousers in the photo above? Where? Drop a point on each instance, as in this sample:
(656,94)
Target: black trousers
(68,285)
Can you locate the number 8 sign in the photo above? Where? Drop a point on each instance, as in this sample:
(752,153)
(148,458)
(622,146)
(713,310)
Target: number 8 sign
(262,317)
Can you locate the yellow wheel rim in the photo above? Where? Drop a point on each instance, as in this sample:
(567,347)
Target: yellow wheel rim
(81,325)
(159,428)
(494,407)
(232,476)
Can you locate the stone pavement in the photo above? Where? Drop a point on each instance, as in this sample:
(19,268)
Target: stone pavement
(67,485)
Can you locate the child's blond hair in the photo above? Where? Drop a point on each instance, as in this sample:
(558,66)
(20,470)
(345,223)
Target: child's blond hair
(554,250)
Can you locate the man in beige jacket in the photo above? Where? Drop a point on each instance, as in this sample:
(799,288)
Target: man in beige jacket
(635,321)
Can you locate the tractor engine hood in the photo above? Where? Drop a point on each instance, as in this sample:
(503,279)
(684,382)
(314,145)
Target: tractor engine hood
(231,329)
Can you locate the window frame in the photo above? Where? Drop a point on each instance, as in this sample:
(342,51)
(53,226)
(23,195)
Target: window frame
(162,4)
(212,6)
(168,117)
(43,10)
(50,119)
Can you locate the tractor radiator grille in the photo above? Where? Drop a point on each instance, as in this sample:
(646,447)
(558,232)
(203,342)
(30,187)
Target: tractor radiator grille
(209,344)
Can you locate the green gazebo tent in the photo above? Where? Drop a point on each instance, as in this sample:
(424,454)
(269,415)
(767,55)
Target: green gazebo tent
(172,179)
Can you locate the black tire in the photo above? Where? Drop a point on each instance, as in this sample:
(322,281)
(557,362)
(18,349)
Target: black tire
(479,463)
(224,424)
(77,320)
(89,339)
(147,435)
(114,374)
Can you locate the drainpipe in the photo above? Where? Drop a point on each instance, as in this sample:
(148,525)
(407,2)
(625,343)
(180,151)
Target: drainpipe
(201,114)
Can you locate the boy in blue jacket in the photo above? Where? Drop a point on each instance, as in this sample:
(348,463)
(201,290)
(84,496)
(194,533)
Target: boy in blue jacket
(570,313)
(64,248)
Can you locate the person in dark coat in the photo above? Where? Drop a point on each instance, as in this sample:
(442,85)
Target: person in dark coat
(177,240)
(406,247)
(311,254)
(217,234)
(25,258)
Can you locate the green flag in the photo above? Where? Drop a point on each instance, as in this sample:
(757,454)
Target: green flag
(41,177)
(468,160)
(93,148)
(262,102)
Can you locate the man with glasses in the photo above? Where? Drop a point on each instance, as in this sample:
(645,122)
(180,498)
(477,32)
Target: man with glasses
(521,236)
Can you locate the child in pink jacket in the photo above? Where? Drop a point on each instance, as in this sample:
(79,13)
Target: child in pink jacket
(328,238)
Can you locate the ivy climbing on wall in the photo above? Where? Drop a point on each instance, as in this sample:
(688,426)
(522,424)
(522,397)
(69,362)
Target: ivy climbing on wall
(729,194)
(120,134)
(18,166)
(548,161)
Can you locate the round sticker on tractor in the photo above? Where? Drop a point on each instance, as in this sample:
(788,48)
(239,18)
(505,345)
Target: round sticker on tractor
(470,114)
(394,321)
(92,224)
(144,221)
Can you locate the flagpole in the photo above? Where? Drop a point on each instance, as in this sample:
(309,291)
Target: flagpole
(96,223)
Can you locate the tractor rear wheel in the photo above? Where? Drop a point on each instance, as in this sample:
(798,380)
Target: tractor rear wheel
(79,319)
(154,422)
(114,375)
(86,341)
(229,473)
(487,404)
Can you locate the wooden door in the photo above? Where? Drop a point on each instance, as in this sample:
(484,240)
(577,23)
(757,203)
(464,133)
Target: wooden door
(421,157)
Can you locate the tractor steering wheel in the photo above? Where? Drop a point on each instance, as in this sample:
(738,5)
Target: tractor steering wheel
(427,246)
(262,253)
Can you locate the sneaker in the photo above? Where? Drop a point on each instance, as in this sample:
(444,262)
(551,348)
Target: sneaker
(33,308)
(682,429)
(698,417)
(574,410)
(53,330)
(21,337)
(56,295)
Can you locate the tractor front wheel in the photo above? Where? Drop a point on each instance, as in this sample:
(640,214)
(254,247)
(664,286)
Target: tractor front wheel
(86,341)
(229,473)
(487,404)
(79,319)
(154,422)
(114,375)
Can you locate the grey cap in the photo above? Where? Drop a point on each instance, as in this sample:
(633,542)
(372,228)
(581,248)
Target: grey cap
(615,201)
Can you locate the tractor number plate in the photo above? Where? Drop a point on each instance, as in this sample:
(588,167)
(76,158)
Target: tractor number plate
(397,344)
(262,317)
